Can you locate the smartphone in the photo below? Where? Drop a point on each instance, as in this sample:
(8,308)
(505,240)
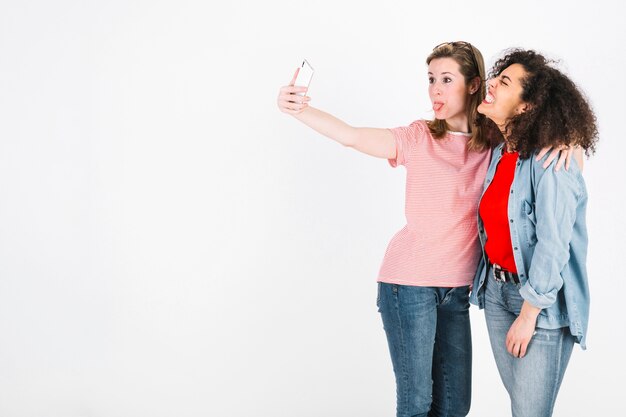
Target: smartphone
(304,75)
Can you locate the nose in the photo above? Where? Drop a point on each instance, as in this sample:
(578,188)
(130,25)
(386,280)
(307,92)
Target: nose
(437,89)
(492,84)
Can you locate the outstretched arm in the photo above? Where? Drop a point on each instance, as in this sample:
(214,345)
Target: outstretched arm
(372,141)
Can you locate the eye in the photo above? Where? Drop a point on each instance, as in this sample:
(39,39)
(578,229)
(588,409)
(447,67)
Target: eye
(447,80)
(503,82)
(431,80)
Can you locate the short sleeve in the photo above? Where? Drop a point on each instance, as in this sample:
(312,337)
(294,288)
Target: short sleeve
(406,137)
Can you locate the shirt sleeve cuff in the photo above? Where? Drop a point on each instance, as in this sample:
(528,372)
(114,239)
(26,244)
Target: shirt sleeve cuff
(542,301)
(398,159)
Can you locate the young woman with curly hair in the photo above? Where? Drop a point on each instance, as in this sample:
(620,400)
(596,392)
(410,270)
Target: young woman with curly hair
(532,280)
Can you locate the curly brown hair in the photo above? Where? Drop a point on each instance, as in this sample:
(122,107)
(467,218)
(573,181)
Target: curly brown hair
(557,113)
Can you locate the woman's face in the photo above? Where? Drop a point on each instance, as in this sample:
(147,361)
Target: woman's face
(504,96)
(448,93)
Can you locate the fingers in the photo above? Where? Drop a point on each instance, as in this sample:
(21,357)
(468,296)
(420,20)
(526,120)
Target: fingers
(517,348)
(290,89)
(553,154)
(292,100)
(292,107)
(509,347)
(295,75)
(522,349)
(292,104)
(561,161)
(568,161)
(563,152)
(542,153)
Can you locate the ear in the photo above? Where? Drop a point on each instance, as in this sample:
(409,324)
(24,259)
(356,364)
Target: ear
(523,108)
(474,85)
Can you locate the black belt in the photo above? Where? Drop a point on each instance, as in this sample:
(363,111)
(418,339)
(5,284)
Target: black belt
(503,275)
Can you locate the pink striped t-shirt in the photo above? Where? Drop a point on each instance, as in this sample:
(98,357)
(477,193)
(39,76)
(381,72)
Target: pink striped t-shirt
(439,245)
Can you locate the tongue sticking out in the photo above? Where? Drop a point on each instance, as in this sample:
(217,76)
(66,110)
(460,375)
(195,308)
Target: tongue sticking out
(437,106)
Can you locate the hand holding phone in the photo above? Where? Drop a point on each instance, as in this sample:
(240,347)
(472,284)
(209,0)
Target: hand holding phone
(305,74)
(291,98)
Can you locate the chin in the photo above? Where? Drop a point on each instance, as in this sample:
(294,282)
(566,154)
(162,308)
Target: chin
(485,113)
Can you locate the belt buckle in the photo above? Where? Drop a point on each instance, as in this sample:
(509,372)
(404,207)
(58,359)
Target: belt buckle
(498,273)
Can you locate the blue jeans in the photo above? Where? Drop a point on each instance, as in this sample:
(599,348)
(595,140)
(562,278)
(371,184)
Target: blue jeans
(534,380)
(430,341)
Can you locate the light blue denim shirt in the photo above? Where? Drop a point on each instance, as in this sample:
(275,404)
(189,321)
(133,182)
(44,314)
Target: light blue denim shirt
(549,235)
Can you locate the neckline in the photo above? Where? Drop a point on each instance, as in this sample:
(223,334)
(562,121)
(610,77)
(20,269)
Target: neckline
(509,154)
(459,133)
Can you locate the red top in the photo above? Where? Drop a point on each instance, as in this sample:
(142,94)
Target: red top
(494,213)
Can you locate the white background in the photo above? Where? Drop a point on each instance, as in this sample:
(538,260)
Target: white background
(173,245)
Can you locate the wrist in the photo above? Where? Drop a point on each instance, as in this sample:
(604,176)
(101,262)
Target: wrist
(299,114)
(529,311)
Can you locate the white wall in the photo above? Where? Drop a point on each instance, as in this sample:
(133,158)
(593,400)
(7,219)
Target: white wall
(173,245)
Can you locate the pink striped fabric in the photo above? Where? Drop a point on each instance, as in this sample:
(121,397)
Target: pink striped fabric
(439,245)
